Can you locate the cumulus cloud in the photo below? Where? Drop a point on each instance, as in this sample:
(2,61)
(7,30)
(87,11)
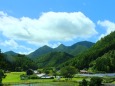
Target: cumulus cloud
(13,45)
(108,26)
(56,26)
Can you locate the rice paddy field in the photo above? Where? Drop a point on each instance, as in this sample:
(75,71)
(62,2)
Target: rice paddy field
(13,79)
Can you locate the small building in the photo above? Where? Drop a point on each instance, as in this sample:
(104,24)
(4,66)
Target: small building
(83,72)
(43,75)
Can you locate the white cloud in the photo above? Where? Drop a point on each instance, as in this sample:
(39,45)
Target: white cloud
(13,45)
(108,26)
(56,26)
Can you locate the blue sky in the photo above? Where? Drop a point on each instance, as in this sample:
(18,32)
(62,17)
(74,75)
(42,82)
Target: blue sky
(26,25)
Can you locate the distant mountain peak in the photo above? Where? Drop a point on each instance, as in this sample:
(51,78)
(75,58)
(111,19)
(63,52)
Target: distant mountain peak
(10,53)
(61,45)
(83,43)
(73,50)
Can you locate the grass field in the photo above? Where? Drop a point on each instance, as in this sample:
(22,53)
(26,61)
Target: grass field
(14,77)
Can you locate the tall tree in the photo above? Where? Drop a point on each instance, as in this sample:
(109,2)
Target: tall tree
(68,72)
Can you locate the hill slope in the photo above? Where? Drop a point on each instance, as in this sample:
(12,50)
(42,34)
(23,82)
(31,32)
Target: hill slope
(52,59)
(11,53)
(97,50)
(42,50)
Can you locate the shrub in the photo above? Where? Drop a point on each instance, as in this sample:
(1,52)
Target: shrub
(95,81)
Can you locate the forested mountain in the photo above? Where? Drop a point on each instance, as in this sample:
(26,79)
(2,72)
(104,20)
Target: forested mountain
(105,63)
(86,59)
(11,53)
(42,50)
(76,48)
(73,50)
(15,62)
(52,59)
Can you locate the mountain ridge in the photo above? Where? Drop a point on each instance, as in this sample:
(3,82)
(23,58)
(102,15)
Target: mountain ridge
(77,47)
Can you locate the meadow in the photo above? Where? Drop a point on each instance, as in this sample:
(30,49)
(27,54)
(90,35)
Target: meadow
(14,78)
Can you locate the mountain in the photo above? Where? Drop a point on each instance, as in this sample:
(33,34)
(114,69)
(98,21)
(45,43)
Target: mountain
(80,47)
(73,50)
(52,59)
(42,50)
(10,53)
(83,43)
(62,48)
(85,59)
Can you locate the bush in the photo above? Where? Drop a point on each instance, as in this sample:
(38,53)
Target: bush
(23,77)
(33,77)
(83,83)
(29,72)
(95,81)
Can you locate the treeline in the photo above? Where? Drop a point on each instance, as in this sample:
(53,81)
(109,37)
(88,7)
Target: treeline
(16,63)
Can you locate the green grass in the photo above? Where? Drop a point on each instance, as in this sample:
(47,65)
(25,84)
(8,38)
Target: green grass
(14,77)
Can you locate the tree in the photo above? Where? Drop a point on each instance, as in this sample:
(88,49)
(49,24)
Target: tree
(29,72)
(83,83)
(95,81)
(1,75)
(68,71)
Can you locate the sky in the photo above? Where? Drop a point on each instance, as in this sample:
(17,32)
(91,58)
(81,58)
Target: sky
(26,25)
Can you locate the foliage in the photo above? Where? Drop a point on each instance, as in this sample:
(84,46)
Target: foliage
(16,62)
(29,72)
(95,81)
(101,47)
(52,59)
(1,76)
(33,76)
(68,71)
(4,64)
(105,63)
(1,73)
(83,83)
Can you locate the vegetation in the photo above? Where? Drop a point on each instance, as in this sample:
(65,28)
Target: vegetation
(29,72)
(68,72)
(83,83)
(85,59)
(12,77)
(52,59)
(95,81)
(1,76)
(16,62)
(73,50)
(105,63)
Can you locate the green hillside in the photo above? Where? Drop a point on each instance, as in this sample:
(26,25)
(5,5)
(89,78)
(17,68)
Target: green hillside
(85,59)
(52,59)
(42,50)
(18,62)
(105,63)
